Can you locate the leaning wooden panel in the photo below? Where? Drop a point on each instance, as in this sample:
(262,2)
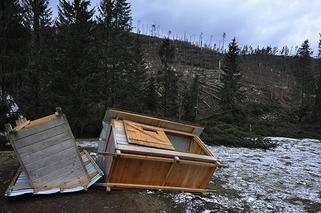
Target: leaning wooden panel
(47,152)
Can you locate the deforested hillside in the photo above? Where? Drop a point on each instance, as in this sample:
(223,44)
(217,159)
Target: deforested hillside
(266,78)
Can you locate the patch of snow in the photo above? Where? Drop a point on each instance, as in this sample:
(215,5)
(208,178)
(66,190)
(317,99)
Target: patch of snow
(266,180)
(87,144)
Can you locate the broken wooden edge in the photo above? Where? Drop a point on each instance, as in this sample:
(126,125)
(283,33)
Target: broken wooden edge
(110,186)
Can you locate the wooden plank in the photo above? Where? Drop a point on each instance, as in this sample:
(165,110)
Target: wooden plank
(159,187)
(19,158)
(43,169)
(41,145)
(42,120)
(114,135)
(189,176)
(52,151)
(62,175)
(75,146)
(25,132)
(135,171)
(35,138)
(160,152)
(145,157)
(189,162)
(157,120)
(141,134)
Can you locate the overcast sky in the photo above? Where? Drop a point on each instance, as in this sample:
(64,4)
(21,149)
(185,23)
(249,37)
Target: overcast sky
(252,22)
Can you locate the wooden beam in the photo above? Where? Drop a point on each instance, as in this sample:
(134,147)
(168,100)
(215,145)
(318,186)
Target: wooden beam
(41,120)
(146,157)
(197,163)
(168,173)
(140,186)
(119,112)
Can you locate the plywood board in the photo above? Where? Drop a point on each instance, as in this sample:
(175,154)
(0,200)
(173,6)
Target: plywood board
(147,135)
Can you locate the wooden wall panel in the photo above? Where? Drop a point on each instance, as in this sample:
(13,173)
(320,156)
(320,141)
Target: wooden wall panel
(189,176)
(196,149)
(133,171)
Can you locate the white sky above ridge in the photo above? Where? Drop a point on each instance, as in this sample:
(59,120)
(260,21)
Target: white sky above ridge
(252,22)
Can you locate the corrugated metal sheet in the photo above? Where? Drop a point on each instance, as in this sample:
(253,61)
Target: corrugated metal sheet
(21,183)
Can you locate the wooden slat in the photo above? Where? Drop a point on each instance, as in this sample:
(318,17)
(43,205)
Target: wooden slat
(34,138)
(37,129)
(145,157)
(141,186)
(41,145)
(160,152)
(156,120)
(50,152)
(42,120)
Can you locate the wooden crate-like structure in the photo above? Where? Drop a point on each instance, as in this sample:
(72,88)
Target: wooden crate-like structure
(47,152)
(138,151)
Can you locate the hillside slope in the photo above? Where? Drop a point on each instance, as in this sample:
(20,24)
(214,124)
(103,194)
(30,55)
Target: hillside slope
(266,78)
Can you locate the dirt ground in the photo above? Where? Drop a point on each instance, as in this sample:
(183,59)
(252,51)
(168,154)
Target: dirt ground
(96,199)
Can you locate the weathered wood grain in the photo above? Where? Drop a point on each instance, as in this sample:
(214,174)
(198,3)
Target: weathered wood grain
(35,138)
(25,132)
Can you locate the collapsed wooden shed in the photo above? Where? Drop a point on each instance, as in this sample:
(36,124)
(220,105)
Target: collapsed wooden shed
(138,151)
(49,158)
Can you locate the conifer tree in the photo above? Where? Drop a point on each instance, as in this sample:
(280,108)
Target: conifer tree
(136,78)
(37,19)
(75,62)
(13,37)
(191,100)
(13,47)
(230,92)
(317,103)
(122,14)
(121,55)
(151,96)
(303,73)
(169,79)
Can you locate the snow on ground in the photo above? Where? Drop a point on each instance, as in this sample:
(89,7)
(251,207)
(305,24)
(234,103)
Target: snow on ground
(284,179)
